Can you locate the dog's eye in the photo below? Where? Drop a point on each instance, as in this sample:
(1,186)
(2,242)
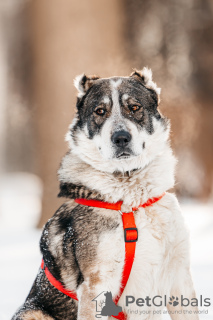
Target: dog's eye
(134,108)
(100,111)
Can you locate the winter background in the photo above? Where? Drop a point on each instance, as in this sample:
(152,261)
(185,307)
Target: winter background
(43,46)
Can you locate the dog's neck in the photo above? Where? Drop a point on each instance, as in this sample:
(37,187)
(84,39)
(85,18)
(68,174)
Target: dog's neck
(80,180)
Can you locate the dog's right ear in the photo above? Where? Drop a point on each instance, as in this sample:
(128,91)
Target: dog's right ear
(83,83)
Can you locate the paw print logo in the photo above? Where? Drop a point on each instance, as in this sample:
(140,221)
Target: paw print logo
(173,301)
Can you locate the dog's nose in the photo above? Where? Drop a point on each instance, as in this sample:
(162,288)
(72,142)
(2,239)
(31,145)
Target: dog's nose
(121,138)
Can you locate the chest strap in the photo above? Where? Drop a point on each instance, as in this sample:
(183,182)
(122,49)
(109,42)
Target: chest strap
(130,238)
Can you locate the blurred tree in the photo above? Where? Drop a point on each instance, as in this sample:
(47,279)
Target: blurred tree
(16,124)
(202,78)
(3,90)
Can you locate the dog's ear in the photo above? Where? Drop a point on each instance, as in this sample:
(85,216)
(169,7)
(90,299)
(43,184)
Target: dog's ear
(145,77)
(83,83)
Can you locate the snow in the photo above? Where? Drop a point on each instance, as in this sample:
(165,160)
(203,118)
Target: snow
(19,260)
(20,205)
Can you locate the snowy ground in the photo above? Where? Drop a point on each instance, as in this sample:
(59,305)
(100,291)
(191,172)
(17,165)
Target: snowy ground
(19,251)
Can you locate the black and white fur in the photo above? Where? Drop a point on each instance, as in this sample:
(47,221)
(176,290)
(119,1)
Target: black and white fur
(118,150)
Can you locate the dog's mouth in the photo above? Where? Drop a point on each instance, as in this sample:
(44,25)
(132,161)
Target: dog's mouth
(123,155)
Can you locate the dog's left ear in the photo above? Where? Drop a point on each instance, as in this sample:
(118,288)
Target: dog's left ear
(83,83)
(145,76)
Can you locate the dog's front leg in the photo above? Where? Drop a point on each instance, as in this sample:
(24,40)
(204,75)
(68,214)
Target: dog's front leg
(88,307)
(182,294)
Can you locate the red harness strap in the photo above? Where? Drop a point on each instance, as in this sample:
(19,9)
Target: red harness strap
(130,238)
(57,284)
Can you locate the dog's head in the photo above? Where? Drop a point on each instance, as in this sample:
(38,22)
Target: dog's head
(118,126)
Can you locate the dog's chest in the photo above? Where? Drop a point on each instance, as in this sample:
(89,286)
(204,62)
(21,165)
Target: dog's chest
(149,254)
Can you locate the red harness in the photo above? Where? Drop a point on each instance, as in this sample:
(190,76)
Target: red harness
(130,238)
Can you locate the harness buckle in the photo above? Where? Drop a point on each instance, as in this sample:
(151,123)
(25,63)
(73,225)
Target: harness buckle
(130,236)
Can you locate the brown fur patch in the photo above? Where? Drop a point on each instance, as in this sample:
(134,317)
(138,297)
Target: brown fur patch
(36,315)
(94,279)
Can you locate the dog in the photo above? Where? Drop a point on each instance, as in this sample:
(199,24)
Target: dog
(119,150)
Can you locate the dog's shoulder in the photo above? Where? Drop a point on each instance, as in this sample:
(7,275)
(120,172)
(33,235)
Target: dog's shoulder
(59,221)
(177,229)
(171,207)
(169,201)
(72,235)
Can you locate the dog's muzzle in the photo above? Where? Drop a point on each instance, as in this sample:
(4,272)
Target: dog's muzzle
(121,141)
